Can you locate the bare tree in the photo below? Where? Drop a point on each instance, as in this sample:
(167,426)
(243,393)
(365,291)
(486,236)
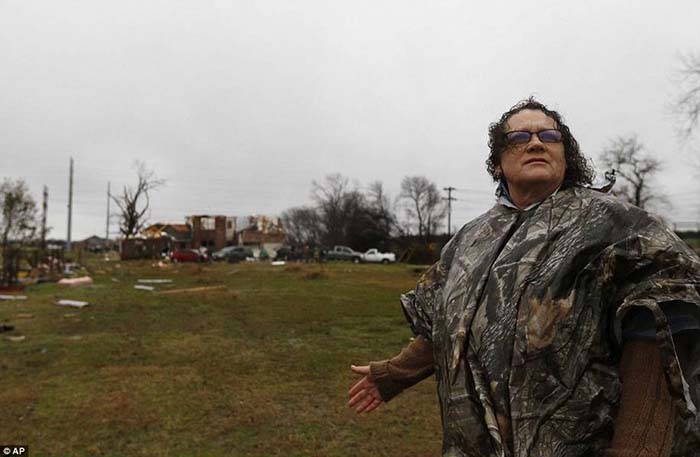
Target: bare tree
(134,202)
(378,198)
(425,205)
(303,226)
(687,105)
(381,210)
(636,168)
(18,224)
(350,217)
(332,196)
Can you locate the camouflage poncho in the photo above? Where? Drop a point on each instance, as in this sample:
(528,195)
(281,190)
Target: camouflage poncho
(523,311)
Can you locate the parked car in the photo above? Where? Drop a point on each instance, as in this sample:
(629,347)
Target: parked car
(239,253)
(222,254)
(283,253)
(292,254)
(188,255)
(374,256)
(343,253)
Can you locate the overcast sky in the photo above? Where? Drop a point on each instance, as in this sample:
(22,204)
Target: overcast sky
(241,104)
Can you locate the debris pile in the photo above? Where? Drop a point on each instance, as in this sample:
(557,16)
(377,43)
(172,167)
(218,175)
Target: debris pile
(13,297)
(72,303)
(76,282)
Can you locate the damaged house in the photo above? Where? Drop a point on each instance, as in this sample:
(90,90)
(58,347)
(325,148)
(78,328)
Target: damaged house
(261,234)
(156,240)
(180,234)
(212,232)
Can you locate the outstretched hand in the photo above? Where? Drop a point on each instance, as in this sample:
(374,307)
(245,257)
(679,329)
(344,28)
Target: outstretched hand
(364,395)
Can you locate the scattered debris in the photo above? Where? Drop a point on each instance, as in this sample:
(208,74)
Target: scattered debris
(155,281)
(74,282)
(144,287)
(193,289)
(70,268)
(232,272)
(278,263)
(17,338)
(115,280)
(13,297)
(75,337)
(6,328)
(24,316)
(72,303)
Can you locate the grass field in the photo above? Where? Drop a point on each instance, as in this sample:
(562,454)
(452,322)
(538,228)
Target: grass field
(257,368)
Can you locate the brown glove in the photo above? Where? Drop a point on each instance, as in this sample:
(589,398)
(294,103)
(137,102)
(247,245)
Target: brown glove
(413,364)
(644,423)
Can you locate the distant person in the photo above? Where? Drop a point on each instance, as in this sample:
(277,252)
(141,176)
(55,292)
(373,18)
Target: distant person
(560,323)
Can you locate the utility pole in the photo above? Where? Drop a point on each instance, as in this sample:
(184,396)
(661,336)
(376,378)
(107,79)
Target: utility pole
(44,207)
(449,199)
(109,197)
(70,205)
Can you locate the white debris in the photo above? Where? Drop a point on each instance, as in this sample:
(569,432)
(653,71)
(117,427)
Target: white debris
(17,338)
(155,281)
(73,282)
(144,287)
(278,263)
(72,303)
(13,297)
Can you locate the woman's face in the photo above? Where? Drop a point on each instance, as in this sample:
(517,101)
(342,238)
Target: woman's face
(534,164)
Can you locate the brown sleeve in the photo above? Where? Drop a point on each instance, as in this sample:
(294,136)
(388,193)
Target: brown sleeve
(413,364)
(644,422)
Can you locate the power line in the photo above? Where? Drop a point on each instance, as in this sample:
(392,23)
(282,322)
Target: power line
(475,191)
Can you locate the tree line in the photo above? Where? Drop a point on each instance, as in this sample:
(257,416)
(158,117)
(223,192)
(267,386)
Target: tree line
(341,213)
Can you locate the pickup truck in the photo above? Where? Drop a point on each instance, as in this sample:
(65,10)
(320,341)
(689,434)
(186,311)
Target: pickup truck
(343,253)
(374,256)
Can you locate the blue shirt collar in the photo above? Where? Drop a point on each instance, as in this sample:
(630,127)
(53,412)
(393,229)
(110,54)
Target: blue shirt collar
(503,197)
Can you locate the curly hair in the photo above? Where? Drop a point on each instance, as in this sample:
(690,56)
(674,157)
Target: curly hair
(578,169)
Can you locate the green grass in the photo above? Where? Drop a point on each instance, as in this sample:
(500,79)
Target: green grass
(259,368)
(693,242)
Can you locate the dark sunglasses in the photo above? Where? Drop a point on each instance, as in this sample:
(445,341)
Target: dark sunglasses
(523,136)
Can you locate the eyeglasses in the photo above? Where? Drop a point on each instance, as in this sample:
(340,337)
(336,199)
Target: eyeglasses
(523,136)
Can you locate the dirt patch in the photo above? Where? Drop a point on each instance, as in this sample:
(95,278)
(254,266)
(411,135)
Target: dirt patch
(312,275)
(293,268)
